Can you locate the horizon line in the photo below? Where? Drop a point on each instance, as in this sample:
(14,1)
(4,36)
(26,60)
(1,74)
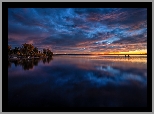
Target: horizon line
(99,54)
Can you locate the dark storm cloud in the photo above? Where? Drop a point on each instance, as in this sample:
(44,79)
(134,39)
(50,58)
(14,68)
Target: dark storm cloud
(95,28)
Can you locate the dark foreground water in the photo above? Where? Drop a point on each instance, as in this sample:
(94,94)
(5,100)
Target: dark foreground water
(78,81)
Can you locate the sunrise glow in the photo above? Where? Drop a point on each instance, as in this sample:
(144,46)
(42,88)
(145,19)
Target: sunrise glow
(80,30)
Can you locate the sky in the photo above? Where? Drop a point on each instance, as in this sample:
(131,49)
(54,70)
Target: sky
(79,30)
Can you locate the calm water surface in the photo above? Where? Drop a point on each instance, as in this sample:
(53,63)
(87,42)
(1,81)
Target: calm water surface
(78,81)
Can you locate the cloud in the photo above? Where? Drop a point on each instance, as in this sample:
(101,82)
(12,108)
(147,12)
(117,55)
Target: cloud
(94,28)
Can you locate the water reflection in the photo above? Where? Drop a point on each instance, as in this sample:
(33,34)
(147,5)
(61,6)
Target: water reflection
(47,60)
(80,82)
(28,64)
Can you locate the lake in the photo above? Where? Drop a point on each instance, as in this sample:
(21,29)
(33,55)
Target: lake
(78,81)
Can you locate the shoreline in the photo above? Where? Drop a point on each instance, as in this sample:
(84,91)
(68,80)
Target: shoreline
(20,58)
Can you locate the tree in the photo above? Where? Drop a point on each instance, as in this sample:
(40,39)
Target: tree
(35,50)
(9,49)
(49,53)
(28,49)
(16,50)
(45,51)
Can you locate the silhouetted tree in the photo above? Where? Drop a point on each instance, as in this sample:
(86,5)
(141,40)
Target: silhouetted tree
(9,49)
(29,50)
(49,53)
(44,51)
(35,50)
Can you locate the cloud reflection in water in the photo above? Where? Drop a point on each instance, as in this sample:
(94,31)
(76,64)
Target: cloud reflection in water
(71,81)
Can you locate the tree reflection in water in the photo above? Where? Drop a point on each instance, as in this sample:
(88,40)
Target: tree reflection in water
(47,60)
(28,64)
(75,81)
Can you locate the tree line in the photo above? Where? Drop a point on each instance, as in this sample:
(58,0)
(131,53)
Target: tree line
(29,50)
